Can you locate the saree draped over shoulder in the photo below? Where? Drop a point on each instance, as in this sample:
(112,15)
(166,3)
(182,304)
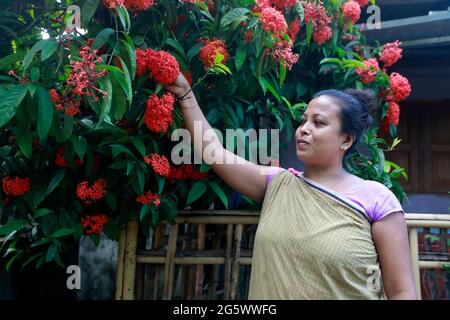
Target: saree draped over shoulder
(312,244)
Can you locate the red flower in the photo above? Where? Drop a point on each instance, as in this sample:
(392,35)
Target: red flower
(70,105)
(283,53)
(392,117)
(95,192)
(15,187)
(94,224)
(322,35)
(279,4)
(248,36)
(367,74)
(400,87)
(273,20)
(83,74)
(162,66)
(158,114)
(391,53)
(209,52)
(159,163)
(141,61)
(148,198)
(362,3)
(61,162)
(351,11)
(185,172)
(188,76)
(111,4)
(139,5)
(294,28)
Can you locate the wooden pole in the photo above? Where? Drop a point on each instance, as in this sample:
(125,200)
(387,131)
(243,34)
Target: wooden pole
(228,248)
(237,256)
(120,264)
(199,268)
(414,247)
(130,261)
(169,270)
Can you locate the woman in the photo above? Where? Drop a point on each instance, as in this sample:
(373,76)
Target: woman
(322,233)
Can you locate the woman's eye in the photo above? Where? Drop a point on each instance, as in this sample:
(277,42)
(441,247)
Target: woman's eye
(319,123)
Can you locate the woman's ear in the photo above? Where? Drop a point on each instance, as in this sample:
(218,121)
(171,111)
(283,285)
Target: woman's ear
(349,139)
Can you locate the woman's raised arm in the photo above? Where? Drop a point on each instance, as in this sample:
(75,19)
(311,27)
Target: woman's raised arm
(241,175)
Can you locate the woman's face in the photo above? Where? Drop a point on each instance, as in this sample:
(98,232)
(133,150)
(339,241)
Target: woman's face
(319,140)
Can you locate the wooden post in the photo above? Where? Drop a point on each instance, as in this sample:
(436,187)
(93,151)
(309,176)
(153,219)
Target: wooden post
(228,248)
(237,256)
(169,270)
(130,261)
(120,264)
(199,268)
(414,247)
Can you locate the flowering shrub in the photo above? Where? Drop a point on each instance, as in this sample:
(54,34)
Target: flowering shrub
(86,122)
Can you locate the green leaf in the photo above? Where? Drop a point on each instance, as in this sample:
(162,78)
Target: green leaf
(141,178)
(45,114)
(331,60)
(63,232)
(52,249)
(79,145)
(9,101)
(124,17)
(145,209)
(237,14)
(219,191)
(241,54)
(101,38)
(161,181)
(35,74)
(106,103)
(194,50)
(174,44)
(42,212)
(88,10)
(126,76)
(197,190)
(7,62)
(118,149)
(111,201)
(57,178)
(282,73)
(266,85)
(309,31)
(118,101)
(131,57)
(48,49)
(30,54)
(14,225)
(24,139)
(140,146)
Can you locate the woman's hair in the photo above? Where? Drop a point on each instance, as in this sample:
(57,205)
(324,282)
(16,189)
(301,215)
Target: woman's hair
(356,106)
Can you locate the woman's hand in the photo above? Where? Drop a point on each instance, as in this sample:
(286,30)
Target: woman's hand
(180,87)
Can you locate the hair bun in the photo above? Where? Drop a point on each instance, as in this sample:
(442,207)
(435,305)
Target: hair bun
(368,101)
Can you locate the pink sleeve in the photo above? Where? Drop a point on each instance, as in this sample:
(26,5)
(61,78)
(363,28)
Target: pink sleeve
(385,204)
(272,171)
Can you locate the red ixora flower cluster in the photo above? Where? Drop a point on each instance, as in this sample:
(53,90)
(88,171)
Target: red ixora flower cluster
(279,4)
(316,14)
(83,74)
(94,224)
(91,193)
(273,20)
(367,74)
(282,52)
(391,53)
(209,52)
(392,117)
(14,187)
(351,11)
(158,114)
(399,88)
(70,105)
(161,65)
(61,162)
(294,29)
(362,3)
(185,172)
(148,198)
(159,163)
